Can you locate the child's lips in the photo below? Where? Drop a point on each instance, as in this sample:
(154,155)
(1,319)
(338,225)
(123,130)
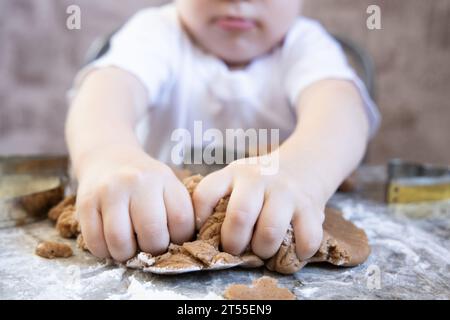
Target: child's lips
(235,23)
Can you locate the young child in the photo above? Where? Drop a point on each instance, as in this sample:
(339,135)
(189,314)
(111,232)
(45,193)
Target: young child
(230,64)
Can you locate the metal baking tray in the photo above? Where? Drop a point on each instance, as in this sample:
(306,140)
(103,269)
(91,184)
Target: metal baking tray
(30,186)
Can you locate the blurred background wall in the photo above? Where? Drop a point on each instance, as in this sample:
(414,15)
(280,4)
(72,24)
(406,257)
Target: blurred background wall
(39,57)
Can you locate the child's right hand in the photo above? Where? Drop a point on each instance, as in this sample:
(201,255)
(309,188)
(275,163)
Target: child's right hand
(127,199)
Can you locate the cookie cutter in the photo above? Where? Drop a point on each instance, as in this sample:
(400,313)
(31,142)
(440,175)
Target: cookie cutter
(29,187)
(410,182)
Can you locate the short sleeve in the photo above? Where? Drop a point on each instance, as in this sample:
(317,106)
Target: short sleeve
(144,47)
(310,54)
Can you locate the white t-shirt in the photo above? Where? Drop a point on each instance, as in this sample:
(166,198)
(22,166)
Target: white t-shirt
(186,84)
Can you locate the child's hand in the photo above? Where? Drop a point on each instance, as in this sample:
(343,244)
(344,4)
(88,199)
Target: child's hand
(261,207)
(123,196)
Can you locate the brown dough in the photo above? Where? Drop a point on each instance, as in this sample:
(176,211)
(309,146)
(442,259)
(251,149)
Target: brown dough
(56,211)
(285,260)
(67,223)
(50,250)
(37,204)
(264,288)
(81,244)
(343,244)
(349,184)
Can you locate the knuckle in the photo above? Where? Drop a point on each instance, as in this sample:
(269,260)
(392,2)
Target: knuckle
(282,189)
(129,177)
(117,240)
(242,167)
(179,219)
(167,172)
(85,204)
(238,219)
(104,189)
(125,177)
(152,230)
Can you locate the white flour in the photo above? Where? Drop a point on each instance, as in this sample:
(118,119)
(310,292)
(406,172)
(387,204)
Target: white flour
(308,292)
(147,291)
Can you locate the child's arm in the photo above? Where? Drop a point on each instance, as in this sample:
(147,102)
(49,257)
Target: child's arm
(122,190)
(328,143)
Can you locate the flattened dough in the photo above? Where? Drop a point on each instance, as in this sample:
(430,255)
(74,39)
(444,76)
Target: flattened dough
(343,244)
(264,288)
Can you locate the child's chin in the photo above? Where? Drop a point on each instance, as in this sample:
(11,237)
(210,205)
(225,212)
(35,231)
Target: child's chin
(237,63)
(238,57)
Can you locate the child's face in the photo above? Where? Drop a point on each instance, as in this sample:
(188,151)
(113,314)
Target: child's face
(238,31)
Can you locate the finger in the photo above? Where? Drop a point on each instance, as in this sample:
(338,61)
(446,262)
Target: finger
(92,227)
(208,193)
(272,225)
(180,214)
(117,227)
(148,214)
(308,232)
(245,204)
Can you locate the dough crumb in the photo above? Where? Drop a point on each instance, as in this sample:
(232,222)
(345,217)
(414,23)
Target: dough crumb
(67,224)
(350,184)
(176,260)
(81,244)
(56,211)
(285,261)
(264,288)
(191,182)
(51,250)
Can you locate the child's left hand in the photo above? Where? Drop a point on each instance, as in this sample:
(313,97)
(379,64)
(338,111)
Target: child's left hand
(261,207)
